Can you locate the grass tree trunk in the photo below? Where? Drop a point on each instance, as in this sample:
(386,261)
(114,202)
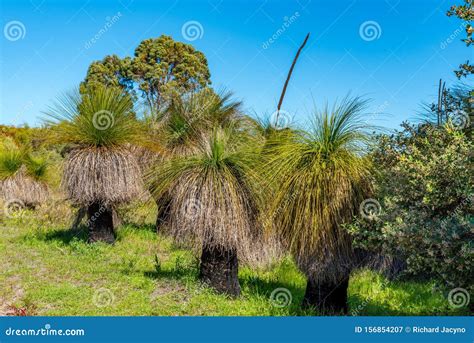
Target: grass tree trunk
(328,297)
(101,223)
(81,213)
(164,204)
(219,269)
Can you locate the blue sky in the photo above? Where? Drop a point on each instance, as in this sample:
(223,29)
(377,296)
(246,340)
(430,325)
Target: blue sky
(392,51)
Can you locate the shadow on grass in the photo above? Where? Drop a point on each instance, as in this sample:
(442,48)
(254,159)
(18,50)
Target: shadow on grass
(360,306)
(140,227)
(256,285)
(269,289)
(65,236)
(172,274)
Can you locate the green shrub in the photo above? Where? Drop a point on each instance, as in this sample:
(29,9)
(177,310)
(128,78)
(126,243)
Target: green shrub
(425,189)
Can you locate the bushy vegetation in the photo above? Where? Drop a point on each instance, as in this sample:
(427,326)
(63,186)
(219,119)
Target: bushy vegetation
(425,187)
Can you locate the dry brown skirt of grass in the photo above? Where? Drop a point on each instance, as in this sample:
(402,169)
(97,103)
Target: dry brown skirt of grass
(105,175)
(24,189)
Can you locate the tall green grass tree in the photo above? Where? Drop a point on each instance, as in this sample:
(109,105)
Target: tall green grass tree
(216,202)
(100,171)
(322,177)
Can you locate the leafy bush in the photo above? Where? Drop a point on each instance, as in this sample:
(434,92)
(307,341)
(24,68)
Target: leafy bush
(425,189)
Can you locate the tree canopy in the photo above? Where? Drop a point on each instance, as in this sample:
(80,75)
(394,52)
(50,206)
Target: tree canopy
(464,12)
(160,68)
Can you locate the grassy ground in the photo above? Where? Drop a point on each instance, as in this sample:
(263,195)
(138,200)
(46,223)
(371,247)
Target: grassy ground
(48,270)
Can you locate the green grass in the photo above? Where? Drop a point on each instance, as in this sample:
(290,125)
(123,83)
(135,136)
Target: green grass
(51,271)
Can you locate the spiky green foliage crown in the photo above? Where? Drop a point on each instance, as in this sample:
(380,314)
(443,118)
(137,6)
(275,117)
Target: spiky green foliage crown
(103,117)
(13,158)
(189,118)
(10,162)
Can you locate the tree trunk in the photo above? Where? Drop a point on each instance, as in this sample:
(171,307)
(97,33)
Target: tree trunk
(101,224)
(81,213)
(219,269)
(328,298)
(117,221)
(163,211)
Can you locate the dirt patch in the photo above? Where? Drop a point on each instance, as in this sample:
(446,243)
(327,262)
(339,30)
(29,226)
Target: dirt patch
(15,293)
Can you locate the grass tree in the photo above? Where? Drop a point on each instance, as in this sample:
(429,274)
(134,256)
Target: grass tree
(323,177)
(215,202)
(100,171)
(181,128)
(22,177)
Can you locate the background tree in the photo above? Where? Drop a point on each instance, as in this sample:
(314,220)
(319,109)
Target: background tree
(322,181)
(464,12)
(160,68)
